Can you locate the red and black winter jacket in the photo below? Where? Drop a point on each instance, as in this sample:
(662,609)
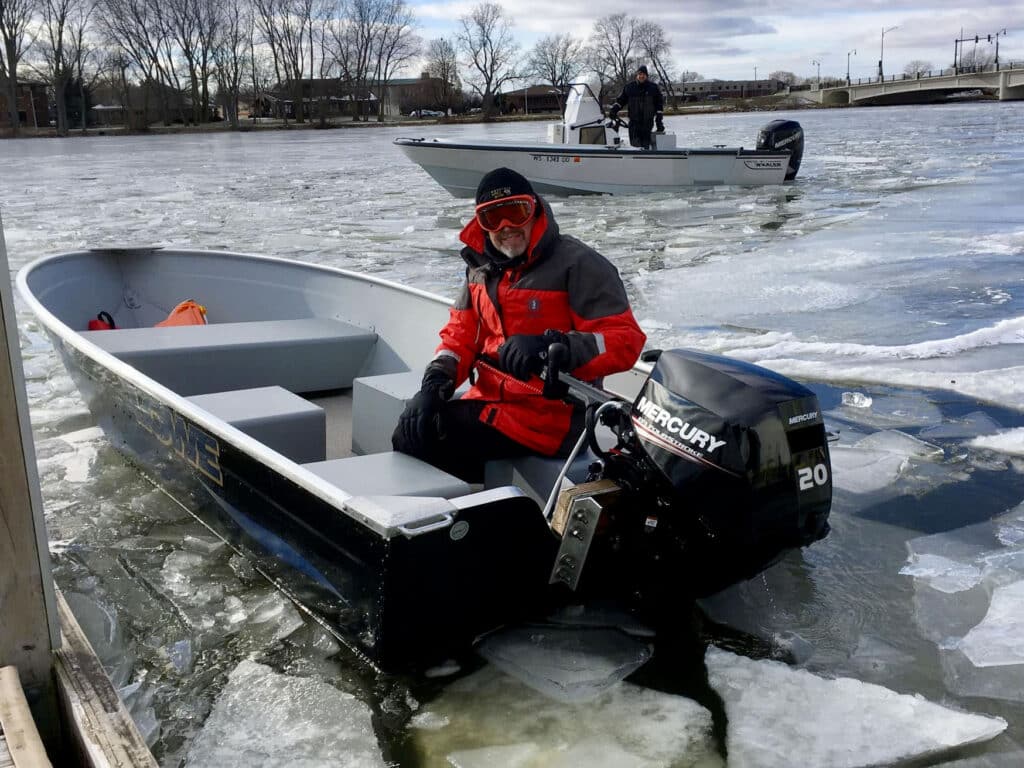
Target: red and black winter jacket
(560,284)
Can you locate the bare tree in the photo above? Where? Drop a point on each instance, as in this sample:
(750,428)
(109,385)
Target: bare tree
(81,52)
(485,36)
(443,65)
(135,27)
(559,59)
(54,56)
(355,40)
(232,55)
(283,24)
(975,59)
(917,67)
(612,50)
(395,46)
(15,19)
(784,76)
(655,48)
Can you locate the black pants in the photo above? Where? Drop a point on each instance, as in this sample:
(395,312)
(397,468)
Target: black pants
(463,444)
(639,134)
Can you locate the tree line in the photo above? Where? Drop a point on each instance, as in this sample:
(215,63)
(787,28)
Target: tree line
(218,52)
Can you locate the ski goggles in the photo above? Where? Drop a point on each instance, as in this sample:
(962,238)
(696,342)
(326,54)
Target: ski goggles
(513,211)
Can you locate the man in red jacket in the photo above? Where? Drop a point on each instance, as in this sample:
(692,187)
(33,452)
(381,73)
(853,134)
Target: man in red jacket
(527,286)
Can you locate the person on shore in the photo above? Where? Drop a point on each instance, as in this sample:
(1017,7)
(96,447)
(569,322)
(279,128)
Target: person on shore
(645,108)
(527,286)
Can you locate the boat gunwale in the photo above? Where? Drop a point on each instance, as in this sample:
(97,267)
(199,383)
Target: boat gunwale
(596,150)
(290,470)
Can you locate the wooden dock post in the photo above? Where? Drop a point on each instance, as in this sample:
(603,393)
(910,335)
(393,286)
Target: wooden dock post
(75,708)
(29,631)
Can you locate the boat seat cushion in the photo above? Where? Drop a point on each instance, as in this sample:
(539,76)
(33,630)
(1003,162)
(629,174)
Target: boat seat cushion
(302,355)
(377,402)
(284,422)
(535,475)
(388,474)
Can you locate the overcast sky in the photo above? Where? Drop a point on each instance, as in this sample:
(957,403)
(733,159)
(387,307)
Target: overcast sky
(728,38)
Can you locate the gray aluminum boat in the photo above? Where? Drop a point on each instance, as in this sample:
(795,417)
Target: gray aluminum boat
(272,423)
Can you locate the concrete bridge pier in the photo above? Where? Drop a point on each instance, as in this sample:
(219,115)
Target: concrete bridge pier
(1010,90)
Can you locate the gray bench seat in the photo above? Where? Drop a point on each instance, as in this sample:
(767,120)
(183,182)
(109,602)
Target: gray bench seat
(389,474)
(286,423)
(302,355)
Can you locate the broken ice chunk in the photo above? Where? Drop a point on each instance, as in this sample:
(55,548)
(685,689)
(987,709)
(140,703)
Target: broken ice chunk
(894,441)
(1010,441)
(262,718)
(942,573)
(511,756)
(630,725)
(779,716)
(856,400)
(972,425)
(999,639)
(566,663)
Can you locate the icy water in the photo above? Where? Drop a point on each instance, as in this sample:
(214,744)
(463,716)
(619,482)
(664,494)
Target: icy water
(888,277)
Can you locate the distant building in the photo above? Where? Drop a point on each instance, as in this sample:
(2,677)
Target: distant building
(404,94)
(33,107)
(534,99)
(710,90)
(339,98)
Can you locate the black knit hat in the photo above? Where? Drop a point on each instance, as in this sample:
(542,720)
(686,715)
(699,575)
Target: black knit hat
(502,182)
(641,68)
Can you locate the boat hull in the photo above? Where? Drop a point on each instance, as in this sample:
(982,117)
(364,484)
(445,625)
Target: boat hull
(572,170)
(402,601)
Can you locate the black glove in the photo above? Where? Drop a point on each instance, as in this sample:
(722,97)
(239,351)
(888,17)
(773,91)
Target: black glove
(523,355)
(613,113)
(659,124)
(418,426)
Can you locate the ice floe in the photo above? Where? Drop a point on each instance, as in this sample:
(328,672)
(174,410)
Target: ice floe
(780,716)
(490,719)
(565,663)
(263,719)
(969,600)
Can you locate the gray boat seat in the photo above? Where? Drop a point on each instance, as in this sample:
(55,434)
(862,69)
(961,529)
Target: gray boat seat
(377,402)
(535,475)
(388,474)
(302,355)
(287,423)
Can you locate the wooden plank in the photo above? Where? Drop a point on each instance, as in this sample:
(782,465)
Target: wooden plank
(5,755)
(28,612)
(103,732)
(19,729)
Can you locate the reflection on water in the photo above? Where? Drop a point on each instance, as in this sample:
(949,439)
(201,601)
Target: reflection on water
(892,264)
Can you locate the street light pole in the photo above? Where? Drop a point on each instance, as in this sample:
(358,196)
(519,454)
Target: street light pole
(881,54)
(818,62)
(854,52)
(1000,32)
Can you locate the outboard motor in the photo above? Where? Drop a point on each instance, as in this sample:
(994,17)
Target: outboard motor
(723,467)
(784,135)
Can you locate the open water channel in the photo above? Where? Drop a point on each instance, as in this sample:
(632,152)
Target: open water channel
(888,276)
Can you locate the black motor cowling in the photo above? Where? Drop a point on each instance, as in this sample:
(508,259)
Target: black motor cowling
(784,135)
(737,461)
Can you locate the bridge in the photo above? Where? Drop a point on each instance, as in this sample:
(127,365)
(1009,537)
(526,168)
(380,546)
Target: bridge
(1006,81)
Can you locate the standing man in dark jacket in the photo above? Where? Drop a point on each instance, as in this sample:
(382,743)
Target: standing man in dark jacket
(645,106)
(527,286)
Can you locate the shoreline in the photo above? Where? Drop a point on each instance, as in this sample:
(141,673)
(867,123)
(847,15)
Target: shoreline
(247,125)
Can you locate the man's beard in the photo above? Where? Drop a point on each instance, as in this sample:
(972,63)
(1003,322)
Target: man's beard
(511,250)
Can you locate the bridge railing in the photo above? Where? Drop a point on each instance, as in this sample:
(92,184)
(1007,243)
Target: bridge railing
(979,69)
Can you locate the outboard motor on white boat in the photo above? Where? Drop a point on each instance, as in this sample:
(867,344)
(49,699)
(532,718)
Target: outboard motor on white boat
(784,135)
(721,467)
